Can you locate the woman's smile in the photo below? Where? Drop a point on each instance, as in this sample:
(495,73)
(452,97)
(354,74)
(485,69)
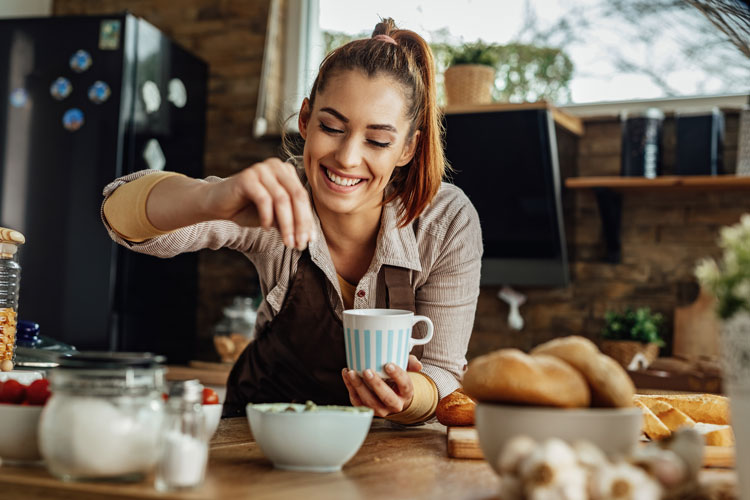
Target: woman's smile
(339,182)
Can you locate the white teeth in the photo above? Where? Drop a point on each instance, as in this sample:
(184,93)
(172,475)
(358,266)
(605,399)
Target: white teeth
(340,181)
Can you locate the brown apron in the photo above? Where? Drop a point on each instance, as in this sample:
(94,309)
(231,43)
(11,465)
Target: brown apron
(299,354)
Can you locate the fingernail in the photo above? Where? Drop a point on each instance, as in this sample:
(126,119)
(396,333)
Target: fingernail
(352,375)
(343,371)
(368,373)
(389,367)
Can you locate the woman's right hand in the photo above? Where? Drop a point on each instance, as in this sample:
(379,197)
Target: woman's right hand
(266,194)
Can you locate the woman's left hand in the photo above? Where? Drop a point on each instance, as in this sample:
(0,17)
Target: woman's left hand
(385,397)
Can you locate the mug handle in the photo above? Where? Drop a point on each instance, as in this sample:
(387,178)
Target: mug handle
(412,341)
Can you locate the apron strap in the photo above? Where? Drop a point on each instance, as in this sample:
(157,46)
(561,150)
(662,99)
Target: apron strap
(400,294)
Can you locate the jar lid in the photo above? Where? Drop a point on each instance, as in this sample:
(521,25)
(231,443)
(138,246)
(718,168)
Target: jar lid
(9,241)
(109,360)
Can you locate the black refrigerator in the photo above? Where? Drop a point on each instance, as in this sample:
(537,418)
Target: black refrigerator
(83,100)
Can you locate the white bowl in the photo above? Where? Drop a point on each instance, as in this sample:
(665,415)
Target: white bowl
(213,417)
(319,441)
(18,433)
(614,430)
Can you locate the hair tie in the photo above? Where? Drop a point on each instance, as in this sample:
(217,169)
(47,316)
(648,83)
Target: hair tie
(385,38)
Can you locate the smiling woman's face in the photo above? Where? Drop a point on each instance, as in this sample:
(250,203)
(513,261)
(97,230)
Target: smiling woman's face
(355,136)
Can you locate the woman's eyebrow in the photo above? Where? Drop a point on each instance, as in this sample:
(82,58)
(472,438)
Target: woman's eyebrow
(376,126)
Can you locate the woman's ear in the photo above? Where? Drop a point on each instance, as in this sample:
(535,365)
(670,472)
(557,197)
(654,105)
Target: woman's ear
(409,149)
(303,119)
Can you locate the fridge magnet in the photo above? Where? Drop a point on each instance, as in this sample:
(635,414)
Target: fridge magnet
(109,34)
(73,119)
(80,61)
(99,92)
(177,94)
(151,96)
(154,156)
(19,97)
(61,88)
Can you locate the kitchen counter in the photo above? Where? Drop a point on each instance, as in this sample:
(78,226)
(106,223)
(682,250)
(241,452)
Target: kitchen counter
(394,462)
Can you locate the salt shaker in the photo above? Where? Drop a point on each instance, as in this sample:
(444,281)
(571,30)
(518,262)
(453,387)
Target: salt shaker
(184,450)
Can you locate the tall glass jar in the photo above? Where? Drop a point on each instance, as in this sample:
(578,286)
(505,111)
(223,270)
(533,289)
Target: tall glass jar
(10,278)
(104,418)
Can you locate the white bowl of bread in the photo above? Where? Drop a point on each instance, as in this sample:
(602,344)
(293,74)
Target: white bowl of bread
(565,388)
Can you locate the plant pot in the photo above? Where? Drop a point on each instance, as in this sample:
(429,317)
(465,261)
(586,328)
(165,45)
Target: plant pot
(469,84)
(735,344)
(623,351)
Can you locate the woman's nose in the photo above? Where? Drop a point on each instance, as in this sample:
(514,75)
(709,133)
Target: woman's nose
(349,154)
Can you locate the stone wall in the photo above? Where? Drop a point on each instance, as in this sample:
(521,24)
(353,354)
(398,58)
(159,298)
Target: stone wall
(663,234)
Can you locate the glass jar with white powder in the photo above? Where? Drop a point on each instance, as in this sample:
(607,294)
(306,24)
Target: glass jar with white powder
(184,443)
(104,418)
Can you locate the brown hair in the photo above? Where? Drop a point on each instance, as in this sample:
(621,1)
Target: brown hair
(409,60)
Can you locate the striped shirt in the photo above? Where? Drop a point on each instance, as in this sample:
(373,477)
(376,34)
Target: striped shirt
(442,248)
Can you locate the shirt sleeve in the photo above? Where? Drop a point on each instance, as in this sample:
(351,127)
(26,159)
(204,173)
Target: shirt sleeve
(423,404)
(449,298)
(210,234)
(125,209)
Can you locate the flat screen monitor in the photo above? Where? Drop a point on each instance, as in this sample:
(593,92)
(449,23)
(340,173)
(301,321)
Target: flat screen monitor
(506,162)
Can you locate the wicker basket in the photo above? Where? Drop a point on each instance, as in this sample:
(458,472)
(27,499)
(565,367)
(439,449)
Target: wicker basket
(469,84)
(623,351)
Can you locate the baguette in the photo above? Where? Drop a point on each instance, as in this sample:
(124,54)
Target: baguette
(511,376)
(609,382)
(652,426)
(708,408)
(715,435)
(456,409)
(668,414)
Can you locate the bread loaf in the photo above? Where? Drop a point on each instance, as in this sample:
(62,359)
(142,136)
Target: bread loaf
(652,426)
(511,376)
(609,382)
(456,409)
(668,414)
(708,408)
(716,435)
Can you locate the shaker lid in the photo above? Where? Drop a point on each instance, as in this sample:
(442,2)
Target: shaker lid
(9,241)
(108,360)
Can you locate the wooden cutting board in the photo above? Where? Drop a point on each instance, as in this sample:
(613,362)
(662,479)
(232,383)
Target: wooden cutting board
(463,442)
(696,329)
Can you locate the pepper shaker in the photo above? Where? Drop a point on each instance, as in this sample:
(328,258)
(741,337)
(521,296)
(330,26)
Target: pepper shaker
(184,450)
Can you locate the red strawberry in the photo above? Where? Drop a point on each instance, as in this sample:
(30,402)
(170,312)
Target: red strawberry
(38,392)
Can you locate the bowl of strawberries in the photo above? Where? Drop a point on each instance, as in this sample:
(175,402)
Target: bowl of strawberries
(20,407)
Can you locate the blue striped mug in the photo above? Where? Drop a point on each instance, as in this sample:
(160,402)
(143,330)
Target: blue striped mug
(375,337)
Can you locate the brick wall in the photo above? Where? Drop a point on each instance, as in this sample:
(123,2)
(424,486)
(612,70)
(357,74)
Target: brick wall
(663,235)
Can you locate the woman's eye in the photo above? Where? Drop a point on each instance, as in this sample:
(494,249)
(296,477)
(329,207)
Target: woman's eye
(379,144)
(328,129)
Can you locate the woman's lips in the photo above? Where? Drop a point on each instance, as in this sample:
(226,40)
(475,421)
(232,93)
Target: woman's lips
(340,183)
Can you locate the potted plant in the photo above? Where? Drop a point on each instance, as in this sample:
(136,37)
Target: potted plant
(470,74)
(728,279)
(631,332)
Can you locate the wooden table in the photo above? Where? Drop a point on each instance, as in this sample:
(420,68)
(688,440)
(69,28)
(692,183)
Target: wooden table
(394,462)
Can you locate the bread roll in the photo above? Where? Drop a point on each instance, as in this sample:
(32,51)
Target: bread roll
(668,414)
(716,435)
(652,426)
(511,376)
(609,382)
(708,408)
(456,409)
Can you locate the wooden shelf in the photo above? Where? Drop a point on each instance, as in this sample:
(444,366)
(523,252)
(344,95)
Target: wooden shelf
(666,183)
(572,124)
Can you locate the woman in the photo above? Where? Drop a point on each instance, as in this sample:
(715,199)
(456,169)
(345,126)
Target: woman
(362,221)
